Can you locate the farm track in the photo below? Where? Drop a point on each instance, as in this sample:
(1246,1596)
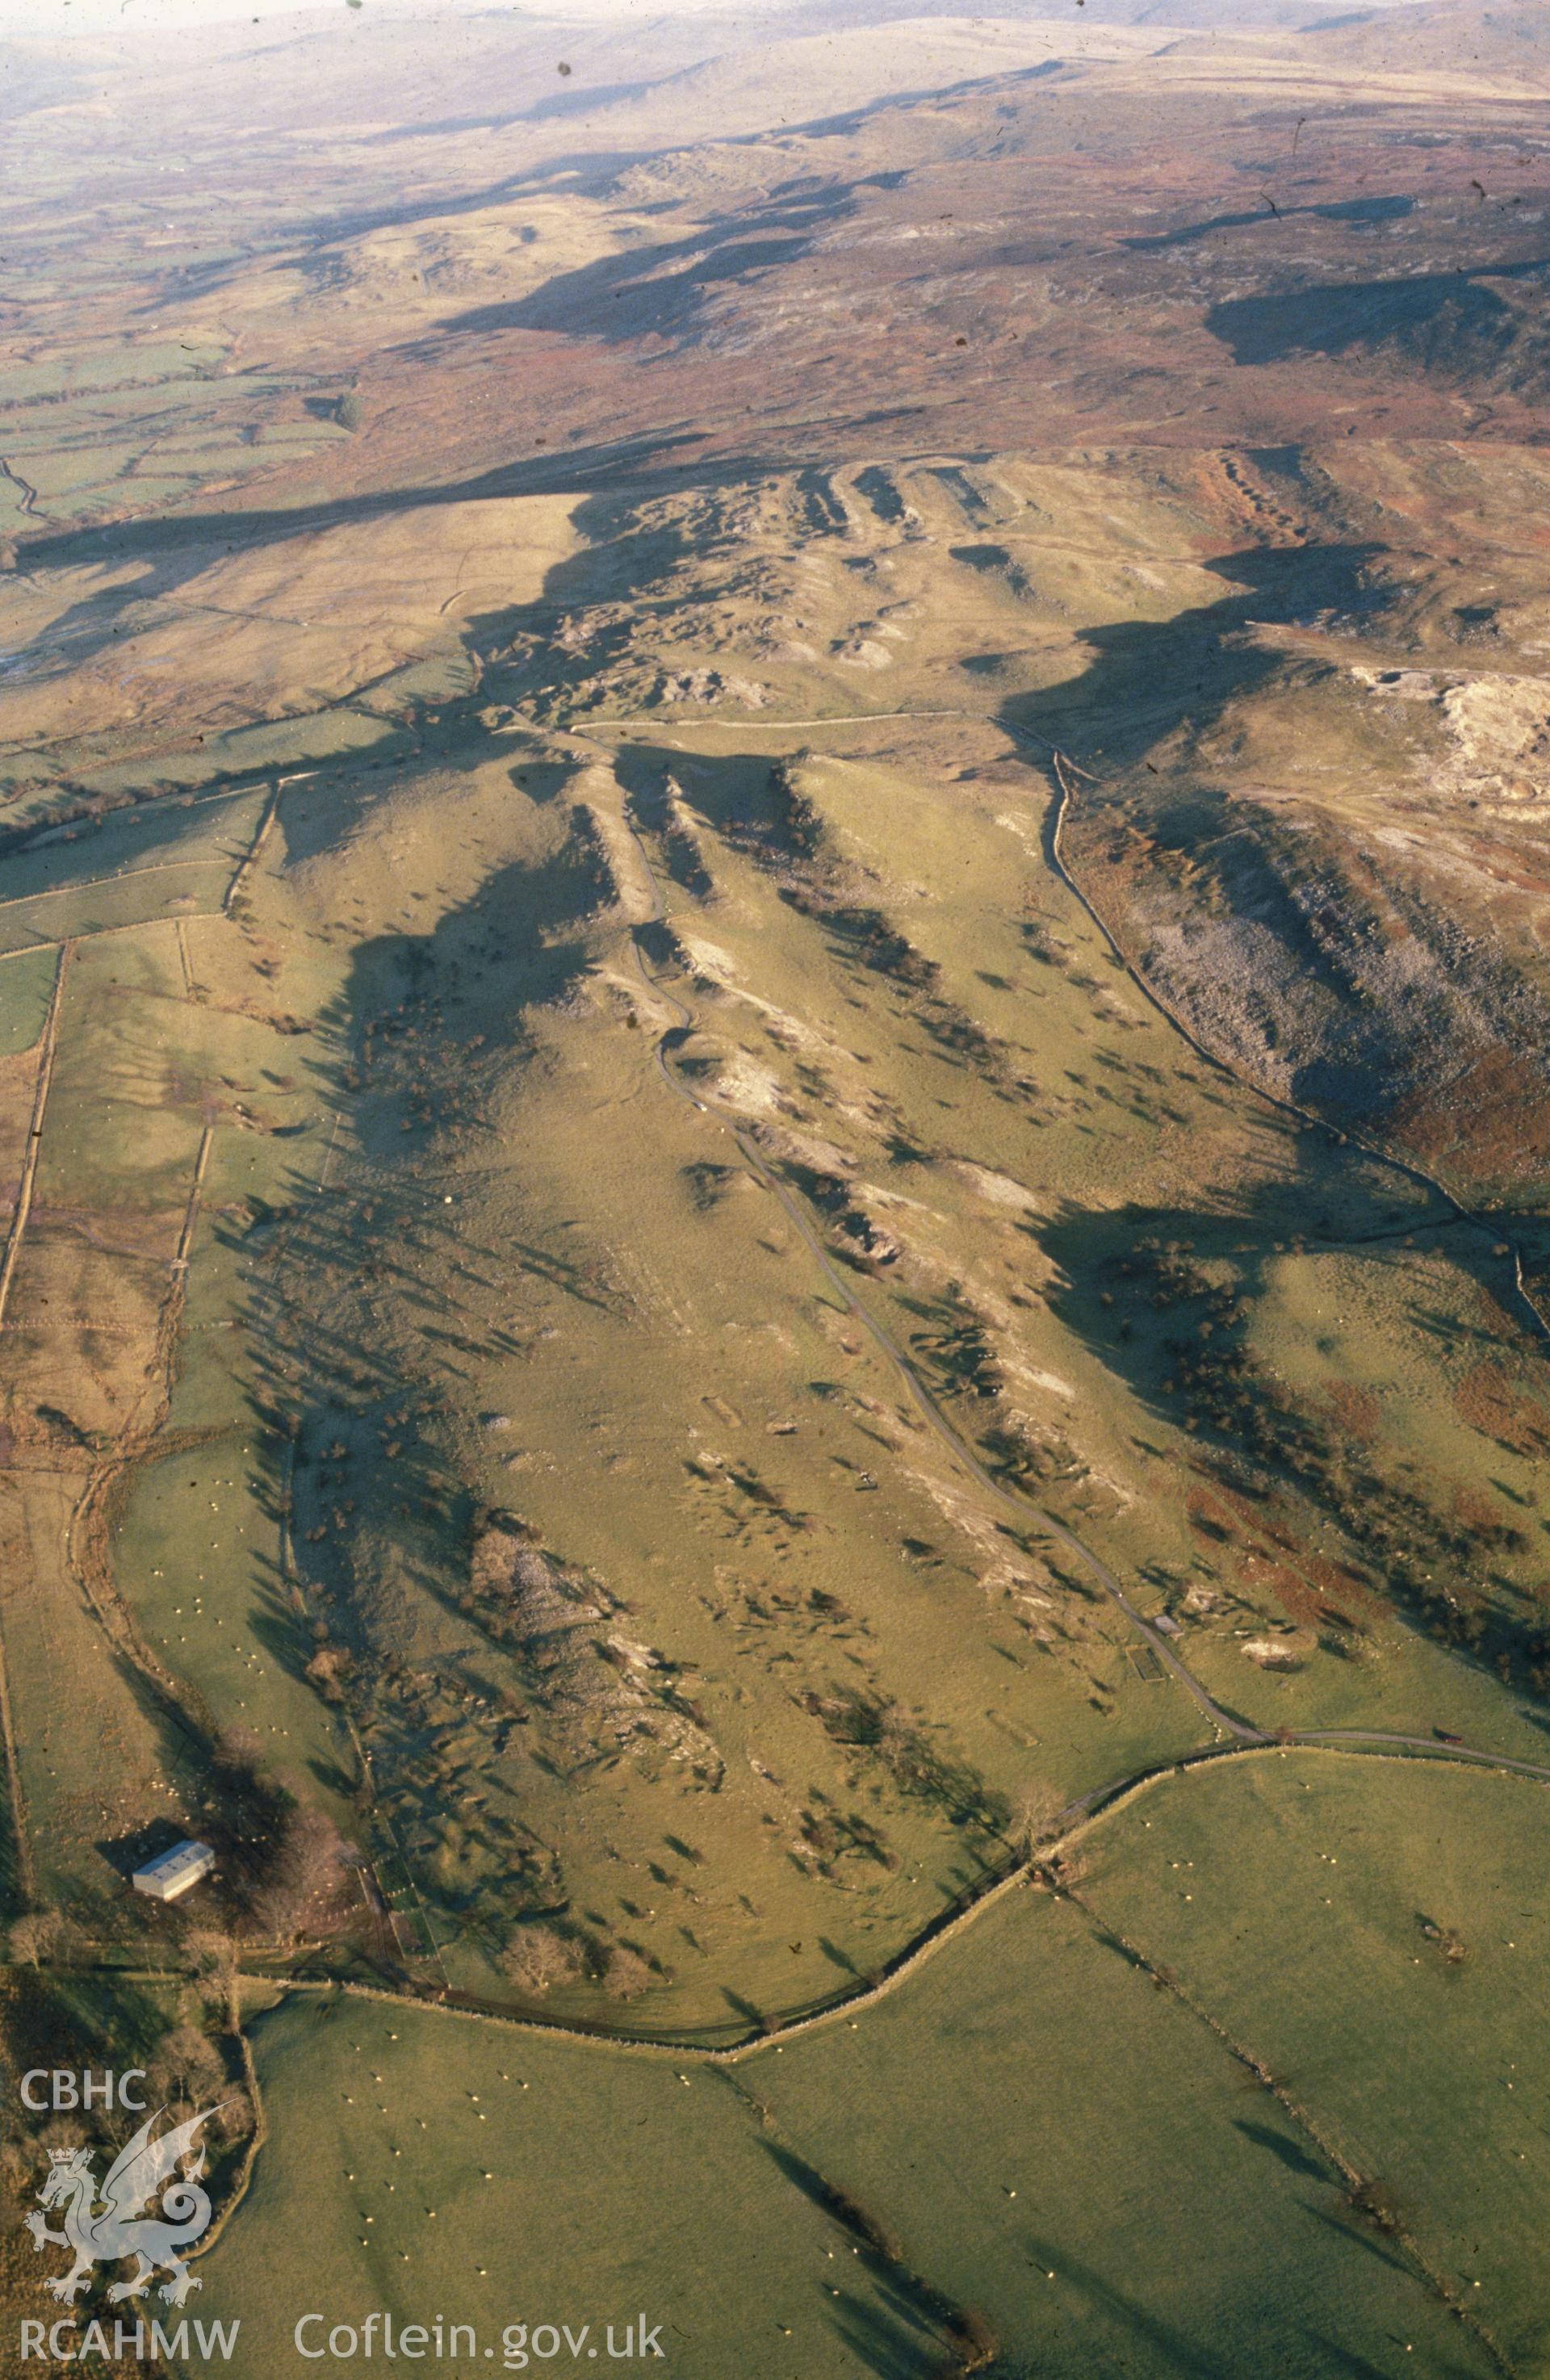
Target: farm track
(1081,1812)
(1009,1500)
(1351,1742)
(90,1549)
(86,1551)
(26,1866)
(88,1529)
(1103,1802)
(27,1875)
(28,493)
(23,1206)
(251,858)
(88,1532)
(1064,771)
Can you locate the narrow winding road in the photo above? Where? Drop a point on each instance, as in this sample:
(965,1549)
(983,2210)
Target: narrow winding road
(1010,1499)
(1231,1729)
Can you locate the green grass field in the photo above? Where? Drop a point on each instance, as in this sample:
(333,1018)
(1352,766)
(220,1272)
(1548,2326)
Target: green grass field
(459,1239)
(509,1475)
(773,1148)
(26,988)
(1374,1932)
(433,2167)
(1030,2134)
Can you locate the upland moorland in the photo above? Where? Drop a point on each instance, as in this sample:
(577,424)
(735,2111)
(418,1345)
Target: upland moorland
(774,1146)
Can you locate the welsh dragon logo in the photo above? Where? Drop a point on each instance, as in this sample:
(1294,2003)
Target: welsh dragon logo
(101,2233)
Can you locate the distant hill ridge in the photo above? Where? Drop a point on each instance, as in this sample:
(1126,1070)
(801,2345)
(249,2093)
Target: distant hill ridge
(1507,37)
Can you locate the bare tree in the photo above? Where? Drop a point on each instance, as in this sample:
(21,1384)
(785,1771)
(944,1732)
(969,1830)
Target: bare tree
(539,1955)
(207,1950)
(1036,1818)
(187,2066)
(35,1936)
(624,1971)
(305,1872)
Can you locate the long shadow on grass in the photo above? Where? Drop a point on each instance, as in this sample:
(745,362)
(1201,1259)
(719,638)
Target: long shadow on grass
(1450,322)
(1171,2348)
(1166,1298)
(1149,679)
(360,1296)
(658,290)
(904,2333)
(1345,2363)
(1287,2151)
(172,549)
(1146,677)
(1321,919)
